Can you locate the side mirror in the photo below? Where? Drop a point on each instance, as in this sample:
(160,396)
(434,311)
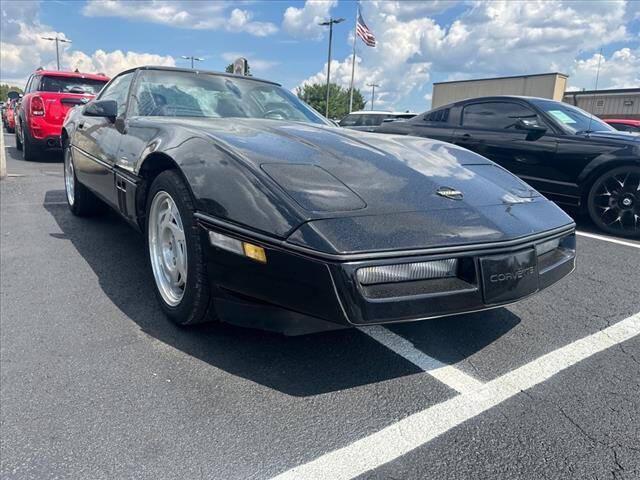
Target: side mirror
(102,108)
(534,130)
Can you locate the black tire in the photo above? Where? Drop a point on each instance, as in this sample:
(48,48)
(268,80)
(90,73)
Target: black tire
(196,305)
(614,201)
(30,152)
(84,203)
(18,143)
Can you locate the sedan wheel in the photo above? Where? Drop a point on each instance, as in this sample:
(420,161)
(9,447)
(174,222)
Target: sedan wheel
(167,248)
(82,202)
(614,202)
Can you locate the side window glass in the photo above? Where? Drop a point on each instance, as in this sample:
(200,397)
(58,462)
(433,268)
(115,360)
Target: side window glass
(497,115)
(118,90)
(348,121)
(27,89)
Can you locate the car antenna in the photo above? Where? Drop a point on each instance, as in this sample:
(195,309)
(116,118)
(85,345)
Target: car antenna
(595,92)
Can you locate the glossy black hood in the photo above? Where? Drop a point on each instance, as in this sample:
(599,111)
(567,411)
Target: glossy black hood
(370,173)
(350,191)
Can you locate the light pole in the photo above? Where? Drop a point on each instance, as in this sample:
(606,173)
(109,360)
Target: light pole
(373,92)
(330,23)
(57,40)
(192,58)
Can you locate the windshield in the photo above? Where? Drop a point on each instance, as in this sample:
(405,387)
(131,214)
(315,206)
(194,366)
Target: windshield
(193,94)
(573,118)
(71,85)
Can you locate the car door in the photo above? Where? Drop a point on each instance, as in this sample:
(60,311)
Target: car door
(97,141)
(492,129)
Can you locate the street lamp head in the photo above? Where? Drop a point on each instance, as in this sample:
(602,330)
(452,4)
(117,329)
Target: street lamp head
(331,21)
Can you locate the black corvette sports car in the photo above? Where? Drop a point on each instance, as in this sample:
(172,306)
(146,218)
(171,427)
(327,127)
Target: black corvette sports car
(259,212)
(570,156)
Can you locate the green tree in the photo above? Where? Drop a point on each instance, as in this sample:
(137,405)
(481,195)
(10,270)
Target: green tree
(5,89)
(316,96)
(229,69)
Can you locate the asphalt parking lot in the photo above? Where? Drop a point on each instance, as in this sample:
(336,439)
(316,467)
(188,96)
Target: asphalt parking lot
(96,383)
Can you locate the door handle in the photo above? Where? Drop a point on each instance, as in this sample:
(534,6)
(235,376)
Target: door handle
(466,137)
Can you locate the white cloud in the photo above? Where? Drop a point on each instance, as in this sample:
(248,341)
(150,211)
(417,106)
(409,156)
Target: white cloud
(22,49)
(197,15)
(403,9)
(491,38)
(522,37)
(303,22)
(114,62)
(620,70)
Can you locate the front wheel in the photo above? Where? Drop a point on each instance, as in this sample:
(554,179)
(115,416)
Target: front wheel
(614,201)
(176,253)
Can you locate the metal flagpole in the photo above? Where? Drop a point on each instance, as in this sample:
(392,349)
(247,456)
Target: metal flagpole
(353,59)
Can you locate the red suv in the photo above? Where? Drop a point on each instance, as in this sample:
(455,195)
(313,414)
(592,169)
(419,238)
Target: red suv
(48,97)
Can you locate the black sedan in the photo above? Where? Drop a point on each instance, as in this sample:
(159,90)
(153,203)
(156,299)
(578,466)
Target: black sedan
(259,212)
(570,156)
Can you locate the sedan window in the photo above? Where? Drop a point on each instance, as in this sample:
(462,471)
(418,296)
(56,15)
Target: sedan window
(497,115)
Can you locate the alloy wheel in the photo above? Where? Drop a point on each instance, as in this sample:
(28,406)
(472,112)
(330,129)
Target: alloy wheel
(69,178)
(616,201)
(167,248)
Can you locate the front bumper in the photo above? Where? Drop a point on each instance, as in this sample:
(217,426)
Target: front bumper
(295,292)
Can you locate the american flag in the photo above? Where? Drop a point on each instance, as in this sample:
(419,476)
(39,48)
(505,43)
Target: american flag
(364,33)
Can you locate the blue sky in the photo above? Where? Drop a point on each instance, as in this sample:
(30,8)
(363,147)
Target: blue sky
(418,42)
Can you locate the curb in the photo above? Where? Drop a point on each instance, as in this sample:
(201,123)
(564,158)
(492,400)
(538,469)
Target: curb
(3,159)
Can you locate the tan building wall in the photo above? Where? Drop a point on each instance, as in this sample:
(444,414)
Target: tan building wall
(548,85)
(623,103)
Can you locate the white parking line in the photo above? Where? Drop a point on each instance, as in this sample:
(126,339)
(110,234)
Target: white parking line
(447,374)
(608,239)
(411,432)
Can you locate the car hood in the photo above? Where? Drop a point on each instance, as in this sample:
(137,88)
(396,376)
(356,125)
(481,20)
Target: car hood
(329,171)
(357,191)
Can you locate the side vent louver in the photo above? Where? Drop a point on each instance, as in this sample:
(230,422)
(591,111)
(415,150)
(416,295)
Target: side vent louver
(121,187)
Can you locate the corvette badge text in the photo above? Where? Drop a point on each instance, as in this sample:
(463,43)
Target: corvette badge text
(518,274)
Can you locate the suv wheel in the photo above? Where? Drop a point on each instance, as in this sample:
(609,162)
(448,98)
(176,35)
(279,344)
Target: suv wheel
(29,150)
(18,142)
(614,201)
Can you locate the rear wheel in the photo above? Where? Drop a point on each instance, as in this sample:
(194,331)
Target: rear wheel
(18,142)
(30,152)
(176,253)
(614,201)
(82,202)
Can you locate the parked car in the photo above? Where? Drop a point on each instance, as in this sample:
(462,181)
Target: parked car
(10,115)
(624,124)
(367,120)
(257,211)
(564,152)
(47,98)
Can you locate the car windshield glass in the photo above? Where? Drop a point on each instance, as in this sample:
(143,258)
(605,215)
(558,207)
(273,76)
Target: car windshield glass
(192,94)
(572,118)
(71,85)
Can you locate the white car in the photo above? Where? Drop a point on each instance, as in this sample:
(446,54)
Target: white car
(367,120)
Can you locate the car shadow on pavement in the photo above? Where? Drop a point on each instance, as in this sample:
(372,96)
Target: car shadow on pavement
(299,366)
